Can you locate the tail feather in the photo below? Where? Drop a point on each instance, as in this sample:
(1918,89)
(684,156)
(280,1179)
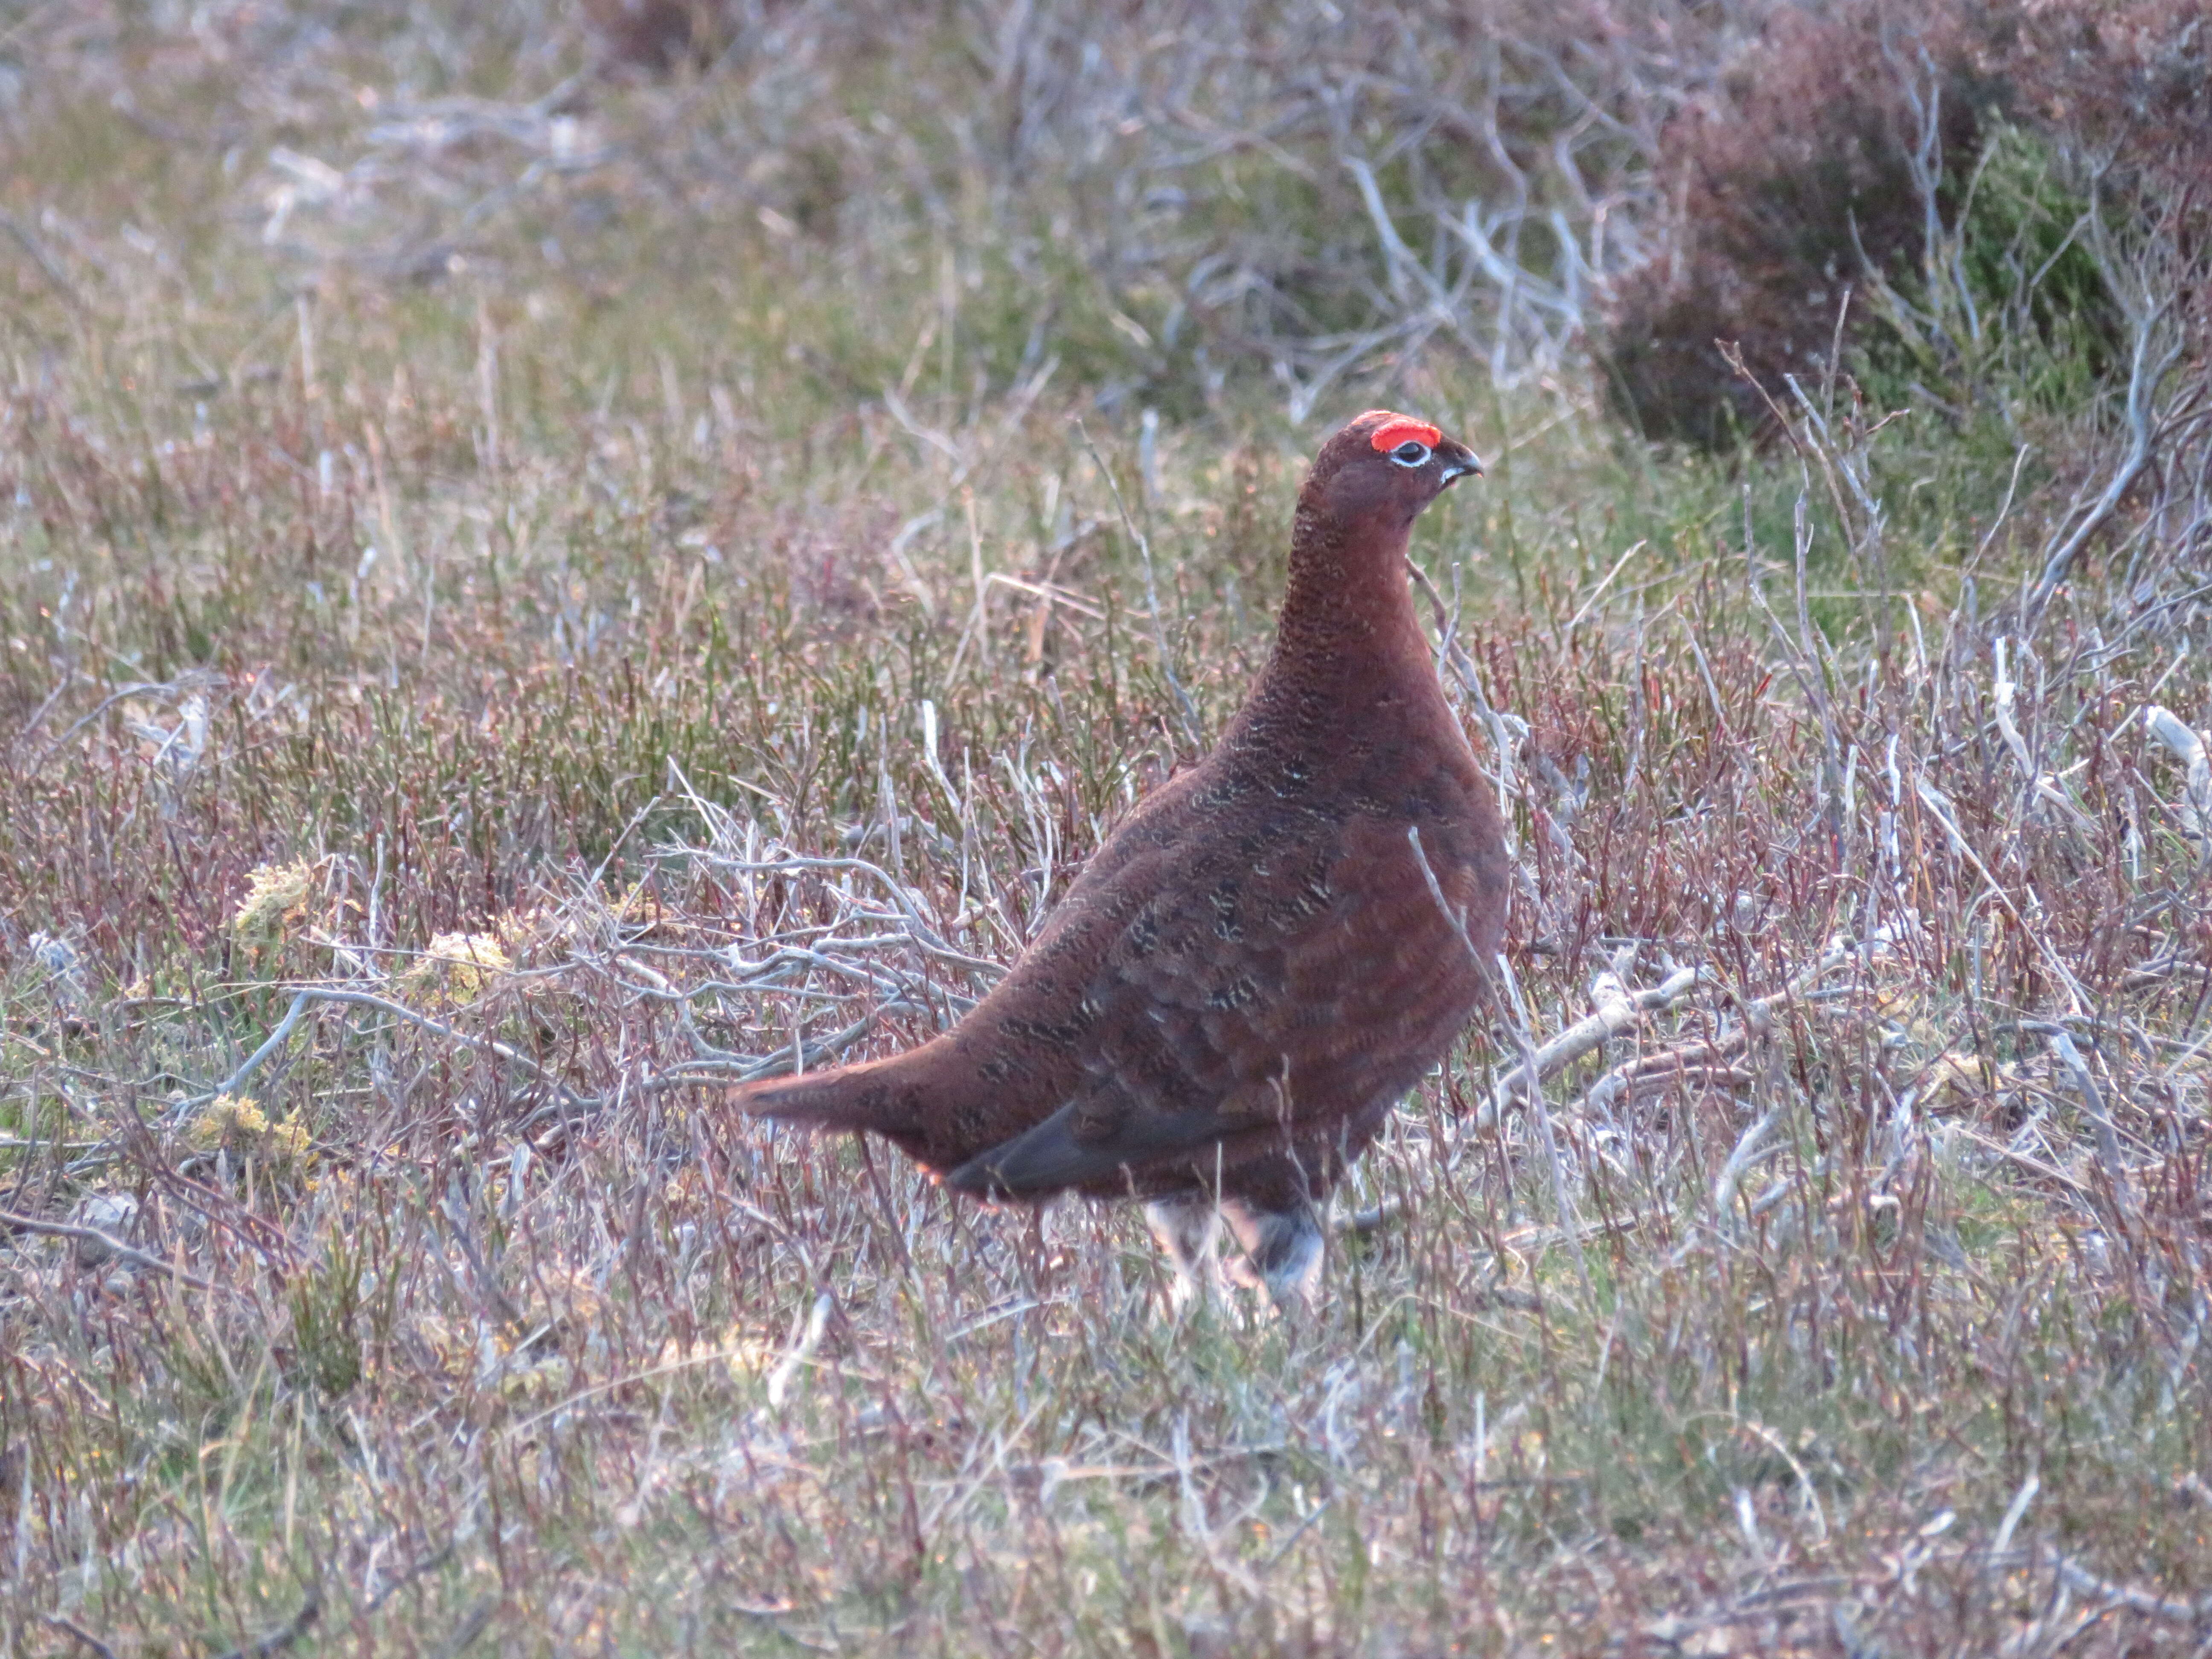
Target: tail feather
(847,1098)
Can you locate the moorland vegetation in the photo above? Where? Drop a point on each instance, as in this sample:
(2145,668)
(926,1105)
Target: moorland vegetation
(552,557)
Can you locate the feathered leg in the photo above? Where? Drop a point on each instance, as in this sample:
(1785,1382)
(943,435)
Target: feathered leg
(1282,1250)
(1189,1228)
(1274,1208)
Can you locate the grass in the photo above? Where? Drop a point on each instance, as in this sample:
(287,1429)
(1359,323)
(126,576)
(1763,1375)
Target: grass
(750,647)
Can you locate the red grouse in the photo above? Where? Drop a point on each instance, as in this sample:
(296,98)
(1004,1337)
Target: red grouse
(1256,966)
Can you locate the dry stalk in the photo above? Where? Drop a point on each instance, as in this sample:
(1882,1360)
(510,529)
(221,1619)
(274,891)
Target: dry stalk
(108,1242)
(1619,1010)
(1712,1057)
(1512,1013)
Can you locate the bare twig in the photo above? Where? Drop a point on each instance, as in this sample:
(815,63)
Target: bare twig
(277,1640)
(1940,808)
(2016,1513)
(1507,996)
(568,1098)
(2148,1603)
(1709,1058)
(1741,1158)
(430,1563)
(2195,810)
(114,1246)
(236,1080)
(81,1634)
(1615,1014)
(45,262)
(2100,1119)
(802,1349)
(1184,704)
(2148,368)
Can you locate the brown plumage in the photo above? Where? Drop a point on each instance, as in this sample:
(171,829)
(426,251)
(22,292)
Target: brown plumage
(1253,968)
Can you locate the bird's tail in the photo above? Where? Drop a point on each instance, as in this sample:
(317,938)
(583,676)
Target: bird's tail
(846,1098)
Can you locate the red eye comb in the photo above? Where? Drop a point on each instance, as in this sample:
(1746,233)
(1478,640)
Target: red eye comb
(1401,428)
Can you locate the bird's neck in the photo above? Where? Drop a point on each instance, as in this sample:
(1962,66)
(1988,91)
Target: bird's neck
(1347,613)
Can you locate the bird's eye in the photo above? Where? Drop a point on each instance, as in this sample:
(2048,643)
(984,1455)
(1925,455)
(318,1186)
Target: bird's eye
(1412,452)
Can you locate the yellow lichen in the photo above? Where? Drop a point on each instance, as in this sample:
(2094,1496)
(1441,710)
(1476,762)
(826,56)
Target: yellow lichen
(237,1124)
(535,936)
(276,902)
(465,964)
(288,1141)
(229,1121)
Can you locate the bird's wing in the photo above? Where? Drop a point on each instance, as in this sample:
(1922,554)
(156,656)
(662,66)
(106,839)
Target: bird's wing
(1253,994)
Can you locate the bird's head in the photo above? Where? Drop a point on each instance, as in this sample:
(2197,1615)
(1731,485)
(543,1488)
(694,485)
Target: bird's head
(1384,468)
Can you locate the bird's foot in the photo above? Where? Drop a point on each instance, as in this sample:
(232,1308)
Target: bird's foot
(1188,1229)
(1283,1251)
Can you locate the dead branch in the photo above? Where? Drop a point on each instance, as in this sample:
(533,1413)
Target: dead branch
(492,1046)
(108,1242)
(1619,1010)
(81,1634)
(1707,1057)
(2196,809)
(277,1640)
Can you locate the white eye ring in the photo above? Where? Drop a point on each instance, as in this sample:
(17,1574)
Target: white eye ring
(1412,452)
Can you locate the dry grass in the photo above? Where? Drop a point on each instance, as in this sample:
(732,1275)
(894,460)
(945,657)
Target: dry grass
(455,706)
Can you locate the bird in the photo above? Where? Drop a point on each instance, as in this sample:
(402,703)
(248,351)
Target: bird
(1263,958)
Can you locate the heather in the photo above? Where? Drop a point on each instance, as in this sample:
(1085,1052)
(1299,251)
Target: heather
(553,559)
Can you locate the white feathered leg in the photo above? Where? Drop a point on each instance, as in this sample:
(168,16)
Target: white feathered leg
(1189,1229)
(1282,1251)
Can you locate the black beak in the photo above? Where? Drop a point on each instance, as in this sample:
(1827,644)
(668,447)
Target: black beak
(1458,461)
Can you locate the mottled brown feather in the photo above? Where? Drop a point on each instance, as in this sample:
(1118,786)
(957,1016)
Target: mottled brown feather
(1253,969)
